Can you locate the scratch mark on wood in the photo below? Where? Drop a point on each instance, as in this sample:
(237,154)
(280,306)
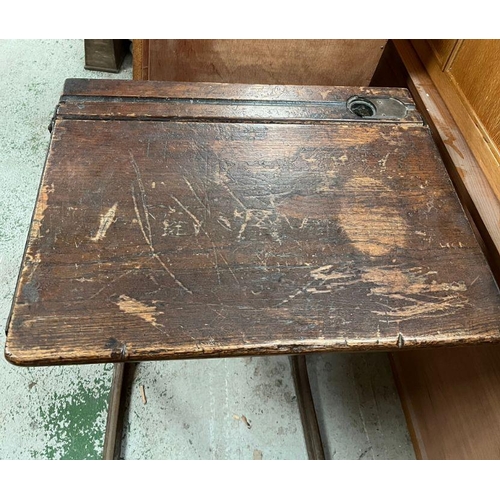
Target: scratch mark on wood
(224,222)
(143,196)
(170,273)
(106,220)
(194,193)
(409,288)
(246,220)
(197,224)
(111,282)
(424,309)
(383,161)
(148,238)
(197,228)
(233,196)
(32,261)
(132,306)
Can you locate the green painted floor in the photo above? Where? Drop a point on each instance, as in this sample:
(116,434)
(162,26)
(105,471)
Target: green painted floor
(193,409)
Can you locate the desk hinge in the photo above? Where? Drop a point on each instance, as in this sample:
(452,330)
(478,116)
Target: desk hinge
(53,119)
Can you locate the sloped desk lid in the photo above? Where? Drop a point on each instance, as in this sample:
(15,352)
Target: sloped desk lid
(195,220)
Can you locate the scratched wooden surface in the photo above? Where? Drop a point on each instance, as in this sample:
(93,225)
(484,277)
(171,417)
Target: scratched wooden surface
(164,230)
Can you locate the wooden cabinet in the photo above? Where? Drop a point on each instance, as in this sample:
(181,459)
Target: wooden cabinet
(292,62)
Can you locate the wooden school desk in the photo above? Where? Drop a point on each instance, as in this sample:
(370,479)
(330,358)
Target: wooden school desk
(191,220)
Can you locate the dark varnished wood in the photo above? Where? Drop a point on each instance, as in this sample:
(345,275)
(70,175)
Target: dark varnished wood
(194,237)
(105,54)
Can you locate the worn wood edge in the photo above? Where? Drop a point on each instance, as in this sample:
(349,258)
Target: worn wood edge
(27,242)
(473,187)
(54,356)
(256,92)
(480,143)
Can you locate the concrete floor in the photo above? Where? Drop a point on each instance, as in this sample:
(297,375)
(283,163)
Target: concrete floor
(193,409)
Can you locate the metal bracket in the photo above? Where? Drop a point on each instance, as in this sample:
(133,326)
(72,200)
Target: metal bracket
(378,108)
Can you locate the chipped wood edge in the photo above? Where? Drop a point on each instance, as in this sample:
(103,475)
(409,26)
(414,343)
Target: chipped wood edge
(128,353)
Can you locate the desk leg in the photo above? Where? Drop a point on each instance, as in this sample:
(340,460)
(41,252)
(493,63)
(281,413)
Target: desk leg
(123,374)
(308,417)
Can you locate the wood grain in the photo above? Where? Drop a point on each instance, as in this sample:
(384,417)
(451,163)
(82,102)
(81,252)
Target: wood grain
(475,73)
(451,397)
(443,50)
(162,239)
(476,193)
(140,59)
(293,62)
(475,132)
(452,401)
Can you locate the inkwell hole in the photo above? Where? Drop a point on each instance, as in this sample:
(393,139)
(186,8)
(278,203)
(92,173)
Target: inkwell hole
(361,107)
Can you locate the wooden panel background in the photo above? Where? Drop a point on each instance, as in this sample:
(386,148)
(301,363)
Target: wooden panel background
(443,50)
(292,62)
(475,72)
(469,84)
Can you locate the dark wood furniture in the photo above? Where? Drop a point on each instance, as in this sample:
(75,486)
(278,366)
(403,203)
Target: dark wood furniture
(456,86)
(105,54)
(193,220)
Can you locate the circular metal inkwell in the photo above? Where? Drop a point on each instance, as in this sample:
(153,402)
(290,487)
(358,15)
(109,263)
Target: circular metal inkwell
(361,107)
